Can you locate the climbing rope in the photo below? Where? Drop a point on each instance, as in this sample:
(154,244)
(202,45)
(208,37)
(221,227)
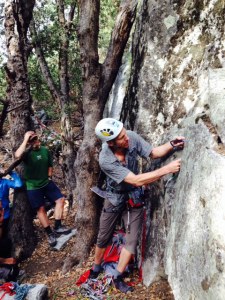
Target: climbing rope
(22,291)
(13,288)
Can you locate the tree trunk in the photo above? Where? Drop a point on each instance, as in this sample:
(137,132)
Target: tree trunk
(17,18)
(68,146)
(97,83)
(3,115)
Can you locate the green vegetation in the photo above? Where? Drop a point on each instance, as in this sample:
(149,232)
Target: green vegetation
(108,12)
(49,33)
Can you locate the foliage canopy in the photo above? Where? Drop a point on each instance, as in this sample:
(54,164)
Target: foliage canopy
(49,32)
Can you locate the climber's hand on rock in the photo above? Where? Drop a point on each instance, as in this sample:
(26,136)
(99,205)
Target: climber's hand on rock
(174,166)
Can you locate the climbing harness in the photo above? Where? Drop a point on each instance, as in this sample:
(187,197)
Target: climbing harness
(115,209)
(136,200)
(130,206)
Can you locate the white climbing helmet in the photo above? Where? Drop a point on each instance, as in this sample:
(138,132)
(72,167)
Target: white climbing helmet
(108,129)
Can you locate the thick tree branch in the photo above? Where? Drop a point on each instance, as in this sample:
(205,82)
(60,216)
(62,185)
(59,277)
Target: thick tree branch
(16,107)
(61,15)
(15,163)
(63,51)
(71,13)
(120,36)
(64,46)
(27,13)
(44,66)
(88,36)
(5,111)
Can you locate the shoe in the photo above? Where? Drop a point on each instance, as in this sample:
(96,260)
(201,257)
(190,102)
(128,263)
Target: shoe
(93,274)
(122,286)
(52,239)
(62,230)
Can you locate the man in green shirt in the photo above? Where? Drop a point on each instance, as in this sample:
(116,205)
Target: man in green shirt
(38,170)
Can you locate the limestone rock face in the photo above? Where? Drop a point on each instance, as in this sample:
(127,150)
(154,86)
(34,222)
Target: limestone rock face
(177,87)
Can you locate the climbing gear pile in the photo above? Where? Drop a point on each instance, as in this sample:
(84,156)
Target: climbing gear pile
(96,288)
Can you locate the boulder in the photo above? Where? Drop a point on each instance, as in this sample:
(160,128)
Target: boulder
(176,87)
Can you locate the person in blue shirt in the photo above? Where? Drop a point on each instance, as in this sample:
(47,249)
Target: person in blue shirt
(9,270)
(5,185)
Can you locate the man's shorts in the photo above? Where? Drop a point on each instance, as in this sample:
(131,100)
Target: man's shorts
(108,223)
(38,197)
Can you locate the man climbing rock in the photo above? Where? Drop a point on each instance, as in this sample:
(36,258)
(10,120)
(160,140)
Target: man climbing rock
(38,170)
(118,159)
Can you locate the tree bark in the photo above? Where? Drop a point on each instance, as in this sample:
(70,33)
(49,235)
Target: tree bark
(97,83)
(17,18)
(68,147)
(3,115)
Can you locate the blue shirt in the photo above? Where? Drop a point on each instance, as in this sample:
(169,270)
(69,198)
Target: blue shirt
(5,185)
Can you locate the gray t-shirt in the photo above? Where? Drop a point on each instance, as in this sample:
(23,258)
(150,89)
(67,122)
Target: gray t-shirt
(117,189)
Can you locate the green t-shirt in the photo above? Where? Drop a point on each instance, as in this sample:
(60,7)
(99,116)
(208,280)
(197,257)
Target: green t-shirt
(36,165)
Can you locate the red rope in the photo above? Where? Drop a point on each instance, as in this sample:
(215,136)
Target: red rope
(143,243)
(7,288)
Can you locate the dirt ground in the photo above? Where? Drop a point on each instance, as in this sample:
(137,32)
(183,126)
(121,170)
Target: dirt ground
(45,267)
